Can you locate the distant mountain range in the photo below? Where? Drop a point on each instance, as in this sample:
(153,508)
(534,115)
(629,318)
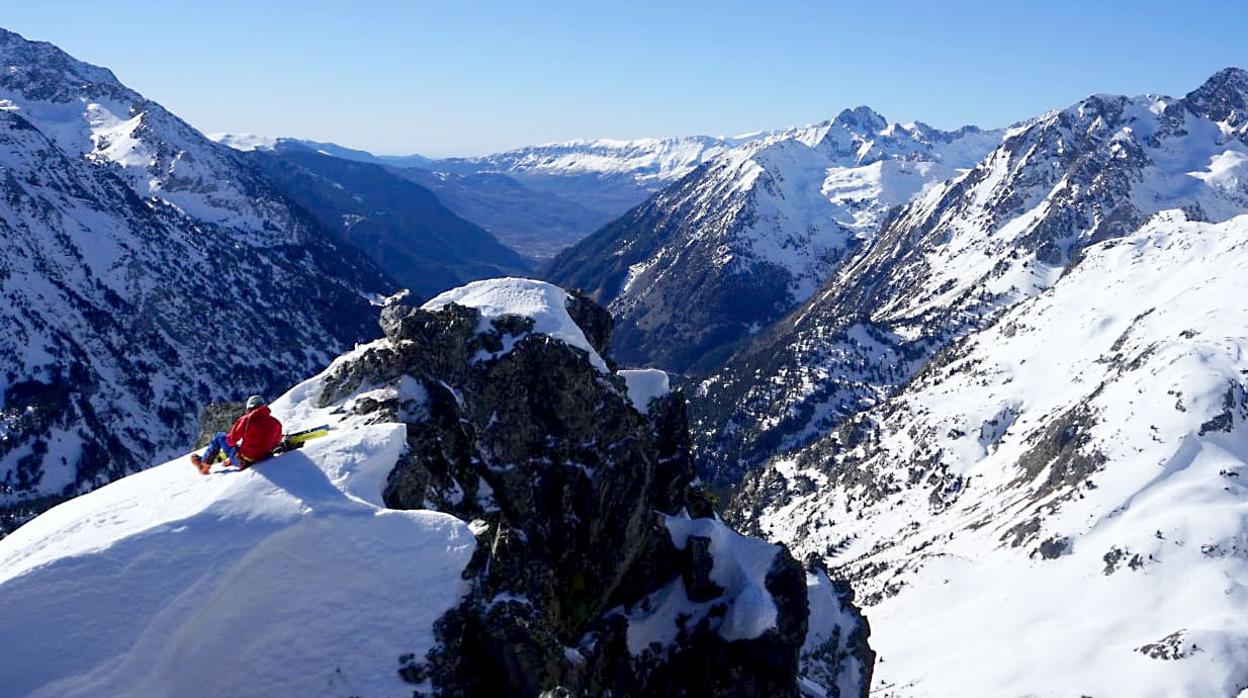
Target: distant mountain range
(249,142)
(538,199)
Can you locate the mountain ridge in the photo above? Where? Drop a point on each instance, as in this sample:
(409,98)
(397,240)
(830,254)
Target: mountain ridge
(945,264)
(742,240)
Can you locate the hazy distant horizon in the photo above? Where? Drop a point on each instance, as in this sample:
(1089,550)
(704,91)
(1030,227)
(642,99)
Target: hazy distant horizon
(400,78)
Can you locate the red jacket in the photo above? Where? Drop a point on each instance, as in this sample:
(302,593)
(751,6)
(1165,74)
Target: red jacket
(256,434)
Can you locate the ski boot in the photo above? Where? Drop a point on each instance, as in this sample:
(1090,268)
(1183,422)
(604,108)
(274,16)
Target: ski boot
(202,465)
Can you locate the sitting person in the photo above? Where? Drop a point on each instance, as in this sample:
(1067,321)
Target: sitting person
(252,439)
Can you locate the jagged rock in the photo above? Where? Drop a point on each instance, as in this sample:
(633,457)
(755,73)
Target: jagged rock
(697,573)
(577,498)
(593,319)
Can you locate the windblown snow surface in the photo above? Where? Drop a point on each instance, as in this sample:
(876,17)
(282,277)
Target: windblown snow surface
(1058,505)
(289,578)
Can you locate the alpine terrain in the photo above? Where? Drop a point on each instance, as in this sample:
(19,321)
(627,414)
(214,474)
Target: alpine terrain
(496,511)
(741,241)
(954,259)
(1028,413)
(859,408)
(137,256)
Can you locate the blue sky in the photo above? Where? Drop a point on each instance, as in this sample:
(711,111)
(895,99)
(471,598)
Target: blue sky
(472,77)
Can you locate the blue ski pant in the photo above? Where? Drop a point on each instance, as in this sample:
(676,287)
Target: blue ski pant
(218,445)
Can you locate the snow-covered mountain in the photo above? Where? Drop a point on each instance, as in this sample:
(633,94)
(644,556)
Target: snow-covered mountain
(648,162)
(735,245)
(541,199)
(146,271)
(964,252)
(571,553)
(1060,496)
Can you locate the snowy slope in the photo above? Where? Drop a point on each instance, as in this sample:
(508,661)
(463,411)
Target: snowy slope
(138,256)
(278,580)
(963,252)
(731,248)
(1072,475)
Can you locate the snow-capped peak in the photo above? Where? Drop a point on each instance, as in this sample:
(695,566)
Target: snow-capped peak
(782,211)
(1223,98)
(545,304)
(88,113)
(862,119)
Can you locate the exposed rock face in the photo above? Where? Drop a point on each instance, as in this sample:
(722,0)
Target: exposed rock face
(600,569)
(219,416)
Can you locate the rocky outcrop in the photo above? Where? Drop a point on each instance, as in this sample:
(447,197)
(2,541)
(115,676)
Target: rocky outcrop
(601,567)
(219,416)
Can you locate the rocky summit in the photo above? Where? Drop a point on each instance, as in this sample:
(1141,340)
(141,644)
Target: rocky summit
(599,568)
